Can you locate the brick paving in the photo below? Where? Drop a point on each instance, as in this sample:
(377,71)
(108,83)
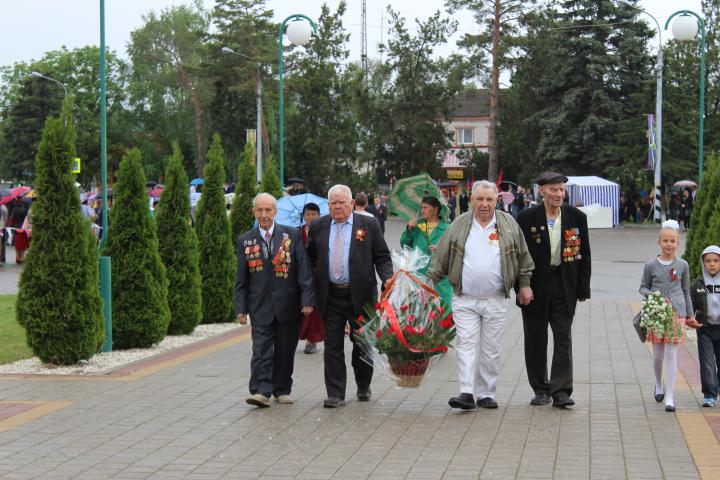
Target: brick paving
(189,420)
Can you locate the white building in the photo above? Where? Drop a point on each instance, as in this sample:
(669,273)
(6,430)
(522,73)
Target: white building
(469,125)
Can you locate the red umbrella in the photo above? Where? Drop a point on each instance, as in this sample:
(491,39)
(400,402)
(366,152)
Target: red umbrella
(7,199)
(155,192)
(19,191)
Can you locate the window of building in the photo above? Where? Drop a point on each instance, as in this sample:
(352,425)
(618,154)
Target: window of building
(465,136)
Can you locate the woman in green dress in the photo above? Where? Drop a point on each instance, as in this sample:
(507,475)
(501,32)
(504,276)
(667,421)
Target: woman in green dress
(425,234)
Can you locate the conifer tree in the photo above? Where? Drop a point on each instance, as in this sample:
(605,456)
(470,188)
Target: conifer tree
(59,301)
(705,206)
(270,182)
(139,285)
(217,254)
(179,249)
(241,217)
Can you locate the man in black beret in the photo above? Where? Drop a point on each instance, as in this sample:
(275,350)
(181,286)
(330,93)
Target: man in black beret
(557,237)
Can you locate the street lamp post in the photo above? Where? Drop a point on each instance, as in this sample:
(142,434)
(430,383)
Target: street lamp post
(40,75)
(258,104)
(105,266)
(657,203)
(685,29)
(299,34)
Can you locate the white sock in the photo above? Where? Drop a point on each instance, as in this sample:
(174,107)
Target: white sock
(658,355)
(670,372)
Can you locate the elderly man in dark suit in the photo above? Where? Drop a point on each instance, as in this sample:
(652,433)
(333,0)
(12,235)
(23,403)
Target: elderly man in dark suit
(273,281)
(346,250)
(558,240)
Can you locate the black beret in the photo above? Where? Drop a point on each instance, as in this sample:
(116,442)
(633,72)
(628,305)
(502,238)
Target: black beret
(551,177)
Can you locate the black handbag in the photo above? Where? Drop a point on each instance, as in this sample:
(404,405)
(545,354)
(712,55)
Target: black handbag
(641,331)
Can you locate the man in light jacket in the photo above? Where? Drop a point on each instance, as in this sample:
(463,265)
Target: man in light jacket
(484,255)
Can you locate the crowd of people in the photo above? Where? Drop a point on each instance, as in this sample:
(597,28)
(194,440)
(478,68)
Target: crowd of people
(678,206)
(313,283)
(15,228)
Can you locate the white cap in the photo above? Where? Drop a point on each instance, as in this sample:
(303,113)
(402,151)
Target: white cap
(672,224)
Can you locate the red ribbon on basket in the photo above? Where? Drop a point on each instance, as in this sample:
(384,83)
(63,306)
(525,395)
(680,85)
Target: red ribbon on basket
(389,284)
(395,328)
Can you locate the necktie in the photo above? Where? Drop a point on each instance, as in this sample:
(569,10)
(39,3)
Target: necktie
(336,262)
(267,237)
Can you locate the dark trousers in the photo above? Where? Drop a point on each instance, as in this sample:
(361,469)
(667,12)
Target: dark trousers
(340,311)
(535,324)
(708,339)
(2,248)
(273,358)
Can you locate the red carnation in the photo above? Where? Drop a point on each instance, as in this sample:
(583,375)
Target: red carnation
(360,319)
(444,349)
(410,329)
(379,333)
(411,318)
(377,306)
(360,330)
(447,323)
(432,316)
(440,310)
(404,307)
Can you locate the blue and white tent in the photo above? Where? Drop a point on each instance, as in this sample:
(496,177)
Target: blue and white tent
(592,190)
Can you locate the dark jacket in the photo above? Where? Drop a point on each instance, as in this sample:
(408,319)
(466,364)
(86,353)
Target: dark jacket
(368,253)
(698,295)
(575,263)
(264,293)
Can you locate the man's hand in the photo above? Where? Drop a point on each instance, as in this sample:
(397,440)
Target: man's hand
(242,318)
(307,310)
(692,323)
(525,296)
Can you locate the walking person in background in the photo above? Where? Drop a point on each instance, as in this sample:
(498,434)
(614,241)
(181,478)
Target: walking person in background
(463,202)
(424,234)
(687,206)
(311,330)
(452,204)
(379,210)
(361,204)
(670,276)
(3,224)
(557,237)
(17,220)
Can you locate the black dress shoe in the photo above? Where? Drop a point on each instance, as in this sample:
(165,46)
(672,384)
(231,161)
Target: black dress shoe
(464,401)
(562,400)
(364,395)
(487,402)
(540,399)
(669,408)
(659,397)
(333,402)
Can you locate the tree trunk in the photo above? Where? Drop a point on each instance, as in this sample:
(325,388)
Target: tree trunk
(494,95)
(199,136)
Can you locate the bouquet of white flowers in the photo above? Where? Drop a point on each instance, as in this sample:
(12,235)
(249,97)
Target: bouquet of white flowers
(658,317)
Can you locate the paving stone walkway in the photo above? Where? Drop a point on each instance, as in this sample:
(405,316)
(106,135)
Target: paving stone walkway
(186,417)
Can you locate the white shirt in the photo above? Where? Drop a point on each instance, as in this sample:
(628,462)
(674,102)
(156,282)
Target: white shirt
(482,266)
(364,212)
(263,232)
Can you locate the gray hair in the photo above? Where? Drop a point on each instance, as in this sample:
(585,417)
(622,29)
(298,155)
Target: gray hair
(484,184)
(263,194)
(339,188)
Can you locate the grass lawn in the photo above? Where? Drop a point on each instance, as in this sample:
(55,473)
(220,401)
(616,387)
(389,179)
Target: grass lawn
(12,335)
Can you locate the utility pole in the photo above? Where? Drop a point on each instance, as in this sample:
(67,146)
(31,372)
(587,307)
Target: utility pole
(363,54)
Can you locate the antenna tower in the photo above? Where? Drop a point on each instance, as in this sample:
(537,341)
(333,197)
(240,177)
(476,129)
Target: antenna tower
(363,55)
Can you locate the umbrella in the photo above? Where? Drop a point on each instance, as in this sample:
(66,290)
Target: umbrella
(19,191)
(407,194)
(31,194)
(197,181)
(151,183)
(7,199)
(685,184)
(155,192)
(507,197)
(289,209)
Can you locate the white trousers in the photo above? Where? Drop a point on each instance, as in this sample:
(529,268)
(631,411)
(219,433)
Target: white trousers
(480,324)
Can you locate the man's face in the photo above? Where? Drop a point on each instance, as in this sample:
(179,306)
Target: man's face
(712,263)
(310,215)
(376,200)
(341,205)
(553,194)
(484,201)
(264,212)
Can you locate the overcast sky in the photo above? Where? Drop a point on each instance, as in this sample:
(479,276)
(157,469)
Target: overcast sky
(32,27)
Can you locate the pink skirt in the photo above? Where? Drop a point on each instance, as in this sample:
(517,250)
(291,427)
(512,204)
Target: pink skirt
(679,326)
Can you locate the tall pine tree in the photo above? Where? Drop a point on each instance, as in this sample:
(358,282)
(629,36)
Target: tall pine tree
(179,249)
(241,216)
(217,251)
(139,284)
(59,301)
(270,182)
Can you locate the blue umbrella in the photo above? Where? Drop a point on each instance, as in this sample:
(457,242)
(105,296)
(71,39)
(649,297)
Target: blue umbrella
(197,181)
(290,208)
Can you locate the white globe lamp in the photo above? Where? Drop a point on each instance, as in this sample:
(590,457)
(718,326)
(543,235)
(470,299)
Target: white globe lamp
(685,28)
(299,32)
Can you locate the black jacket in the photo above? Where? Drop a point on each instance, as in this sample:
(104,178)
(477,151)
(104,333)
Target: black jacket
(368,253)
(264,293)
(575,262)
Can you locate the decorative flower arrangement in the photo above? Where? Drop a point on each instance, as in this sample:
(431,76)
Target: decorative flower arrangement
(657,316)
(409,325)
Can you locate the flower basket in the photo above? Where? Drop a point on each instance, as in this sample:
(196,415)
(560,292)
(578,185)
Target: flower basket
(409,328)
(408,373)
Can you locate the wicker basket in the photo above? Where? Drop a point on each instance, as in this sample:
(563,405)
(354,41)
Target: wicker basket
(408,373)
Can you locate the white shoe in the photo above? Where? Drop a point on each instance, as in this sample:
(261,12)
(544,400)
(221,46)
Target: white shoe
(284,399)
(259,400)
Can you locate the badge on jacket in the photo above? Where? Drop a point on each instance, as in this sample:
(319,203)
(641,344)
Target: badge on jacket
(252,255)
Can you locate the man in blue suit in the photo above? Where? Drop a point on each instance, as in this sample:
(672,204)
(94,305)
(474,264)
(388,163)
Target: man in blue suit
(273,286)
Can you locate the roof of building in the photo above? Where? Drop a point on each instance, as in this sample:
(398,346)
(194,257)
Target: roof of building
(472,103)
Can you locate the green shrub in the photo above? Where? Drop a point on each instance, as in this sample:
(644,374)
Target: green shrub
(139,286)
(241,216)
(705,226)
(59,302)
(179,249)
(217,254)
(270,182)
